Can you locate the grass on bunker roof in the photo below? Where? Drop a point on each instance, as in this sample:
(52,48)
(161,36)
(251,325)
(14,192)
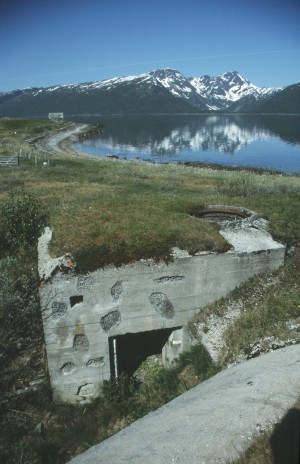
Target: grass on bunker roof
(111,211)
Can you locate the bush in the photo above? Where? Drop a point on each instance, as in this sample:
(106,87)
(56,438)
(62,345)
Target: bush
(18,297)
(118,394)
(19,309)
(199,358)
(22,220)
(118,390)
(160,384)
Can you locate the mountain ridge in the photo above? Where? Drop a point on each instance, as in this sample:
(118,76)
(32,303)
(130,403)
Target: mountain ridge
(161,91)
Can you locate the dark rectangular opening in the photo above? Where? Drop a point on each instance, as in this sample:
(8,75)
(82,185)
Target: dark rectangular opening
(127,352)
(75,299)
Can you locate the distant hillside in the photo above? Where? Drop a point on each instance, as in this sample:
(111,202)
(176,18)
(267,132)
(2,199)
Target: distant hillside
(160,91)
(286,101)
(127,97)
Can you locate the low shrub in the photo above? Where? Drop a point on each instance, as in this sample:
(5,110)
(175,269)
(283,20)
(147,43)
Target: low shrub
(118,390)
(19,314)
(199,358)
(22,219)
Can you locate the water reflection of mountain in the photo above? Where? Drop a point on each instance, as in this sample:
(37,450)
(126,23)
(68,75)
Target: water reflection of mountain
(169,135)
(287,127)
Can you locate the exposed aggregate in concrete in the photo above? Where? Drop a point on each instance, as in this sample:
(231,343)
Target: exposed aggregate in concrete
(68,368)
(116,290)
(96,362)
(162,304)
(110,320)
(80,342)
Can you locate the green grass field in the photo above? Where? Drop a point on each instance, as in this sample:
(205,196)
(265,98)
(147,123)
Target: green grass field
(110,211)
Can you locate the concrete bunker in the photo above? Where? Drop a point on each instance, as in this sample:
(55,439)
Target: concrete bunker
(143,307)
(128,351)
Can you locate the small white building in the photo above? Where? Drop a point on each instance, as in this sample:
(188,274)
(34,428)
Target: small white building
(57,117)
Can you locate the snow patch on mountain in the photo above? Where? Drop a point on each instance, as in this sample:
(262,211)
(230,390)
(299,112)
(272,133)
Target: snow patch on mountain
(174,81)
(229,87)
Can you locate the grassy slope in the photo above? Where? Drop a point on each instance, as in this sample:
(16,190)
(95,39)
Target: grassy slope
(106,211)
(14,134)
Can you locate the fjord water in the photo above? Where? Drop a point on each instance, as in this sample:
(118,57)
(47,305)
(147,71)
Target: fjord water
(256,141)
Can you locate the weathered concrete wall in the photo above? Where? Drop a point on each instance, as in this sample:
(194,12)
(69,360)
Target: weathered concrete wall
(81,312)
(179,341)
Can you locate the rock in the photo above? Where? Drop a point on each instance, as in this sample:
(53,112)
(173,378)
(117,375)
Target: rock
(256,349)
(266,344)
(39,429)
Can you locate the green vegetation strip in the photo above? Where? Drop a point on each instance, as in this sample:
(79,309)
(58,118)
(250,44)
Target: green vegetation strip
(15,134)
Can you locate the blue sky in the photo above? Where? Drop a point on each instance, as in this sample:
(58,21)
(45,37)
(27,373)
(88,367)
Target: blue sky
(44,43)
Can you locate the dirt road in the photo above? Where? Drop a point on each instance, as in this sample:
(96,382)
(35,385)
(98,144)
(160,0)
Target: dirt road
(58,142)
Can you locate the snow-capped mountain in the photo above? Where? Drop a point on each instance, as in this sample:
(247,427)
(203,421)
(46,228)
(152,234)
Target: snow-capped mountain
(160,91)
(219,92)
(179,86)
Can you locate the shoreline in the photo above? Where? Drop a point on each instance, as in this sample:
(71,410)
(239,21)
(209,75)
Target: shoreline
(60,142)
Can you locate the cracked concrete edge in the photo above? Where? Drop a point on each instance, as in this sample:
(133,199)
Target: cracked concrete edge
(46,264)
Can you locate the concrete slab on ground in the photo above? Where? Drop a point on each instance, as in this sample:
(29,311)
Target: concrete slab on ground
(213,422)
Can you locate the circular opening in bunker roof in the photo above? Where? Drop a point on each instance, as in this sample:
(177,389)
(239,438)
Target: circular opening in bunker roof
(223,213)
